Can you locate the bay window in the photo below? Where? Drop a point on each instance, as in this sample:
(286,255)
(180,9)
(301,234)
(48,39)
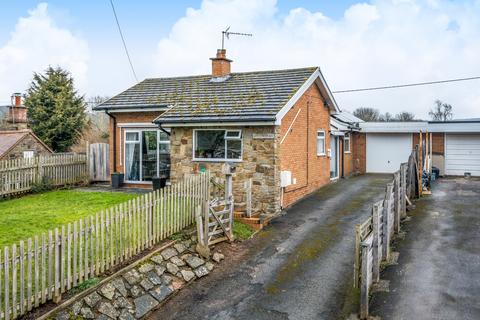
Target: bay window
(217,145)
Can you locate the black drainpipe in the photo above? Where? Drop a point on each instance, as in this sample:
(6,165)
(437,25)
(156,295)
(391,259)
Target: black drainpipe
(114,141)
(160,127)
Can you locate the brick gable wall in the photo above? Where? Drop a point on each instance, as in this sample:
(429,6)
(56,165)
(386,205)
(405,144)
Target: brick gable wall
(298,152)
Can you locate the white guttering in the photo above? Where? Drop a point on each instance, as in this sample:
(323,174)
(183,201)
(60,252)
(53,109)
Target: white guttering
(416,126)
(393,127)
(218,124)
(458,127)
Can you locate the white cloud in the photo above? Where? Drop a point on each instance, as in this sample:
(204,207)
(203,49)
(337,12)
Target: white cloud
(35,44)
(378,43)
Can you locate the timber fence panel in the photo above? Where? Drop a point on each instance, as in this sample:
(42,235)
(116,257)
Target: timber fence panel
(19,175)
(36,271)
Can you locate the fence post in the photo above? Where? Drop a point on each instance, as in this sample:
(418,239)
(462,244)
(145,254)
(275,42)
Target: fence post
(376,240)
(386,229)
(356,275)
(229,196)
(403,190)
(249,197)
(396,200)
(364,283)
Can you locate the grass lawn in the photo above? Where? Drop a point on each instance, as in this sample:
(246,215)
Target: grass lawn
(37,213)
(242,231)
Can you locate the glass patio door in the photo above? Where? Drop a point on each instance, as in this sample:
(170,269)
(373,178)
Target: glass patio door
(147,154)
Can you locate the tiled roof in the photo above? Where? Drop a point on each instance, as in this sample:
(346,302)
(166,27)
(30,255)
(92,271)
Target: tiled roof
(248,96)
(8,139)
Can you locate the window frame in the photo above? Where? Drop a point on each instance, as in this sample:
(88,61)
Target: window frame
(140,142)
(324,153)
(347,136)
(30,153)
(194,145)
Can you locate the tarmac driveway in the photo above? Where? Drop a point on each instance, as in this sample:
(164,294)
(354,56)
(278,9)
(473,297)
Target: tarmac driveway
(300,267)
(438,271)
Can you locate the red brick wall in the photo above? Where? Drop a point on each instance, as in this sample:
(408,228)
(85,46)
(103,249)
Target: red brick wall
(298,152)
(359,149)
(347,159)
(137,117)
(438,142)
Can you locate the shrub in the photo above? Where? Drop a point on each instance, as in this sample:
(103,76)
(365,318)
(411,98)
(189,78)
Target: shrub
(45,184)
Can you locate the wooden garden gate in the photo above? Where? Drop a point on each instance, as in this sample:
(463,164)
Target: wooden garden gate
(215,217)
(99,155)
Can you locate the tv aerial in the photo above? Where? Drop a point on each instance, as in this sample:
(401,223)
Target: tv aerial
(227,33)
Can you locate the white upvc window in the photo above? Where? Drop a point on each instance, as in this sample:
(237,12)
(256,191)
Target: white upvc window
(28,154)
(346,143)
(320,143)
(217,145)
(146,154)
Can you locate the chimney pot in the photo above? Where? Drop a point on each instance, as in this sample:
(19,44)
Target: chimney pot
(17,99)
(220,64)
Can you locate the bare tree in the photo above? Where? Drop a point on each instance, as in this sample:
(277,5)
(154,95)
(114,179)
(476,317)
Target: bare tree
(367,114)
(441,111)
(387,117)
(405,116)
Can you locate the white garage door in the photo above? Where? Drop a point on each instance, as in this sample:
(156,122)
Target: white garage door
(386,151)
(462,154)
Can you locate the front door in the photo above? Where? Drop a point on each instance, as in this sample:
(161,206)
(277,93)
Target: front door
(333,157)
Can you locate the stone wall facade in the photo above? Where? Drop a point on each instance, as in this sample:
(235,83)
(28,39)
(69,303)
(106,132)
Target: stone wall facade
(138,290)
(28,143)
(259,162)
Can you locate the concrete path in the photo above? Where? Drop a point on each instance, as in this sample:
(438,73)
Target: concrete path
(438,271)
(300,267)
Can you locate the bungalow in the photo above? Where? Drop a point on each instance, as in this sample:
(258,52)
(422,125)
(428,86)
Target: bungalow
(274,126)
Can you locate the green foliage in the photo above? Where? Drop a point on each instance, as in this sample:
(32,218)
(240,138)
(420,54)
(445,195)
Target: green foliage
(37,213)
(56,113)
(85,285)
(242,231)
(44,185)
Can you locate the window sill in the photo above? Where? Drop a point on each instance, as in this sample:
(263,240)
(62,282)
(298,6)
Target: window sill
(347,152)
(217,160)
(321,154)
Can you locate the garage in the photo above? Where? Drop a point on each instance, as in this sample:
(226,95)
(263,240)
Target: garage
(462,154)
(386,151)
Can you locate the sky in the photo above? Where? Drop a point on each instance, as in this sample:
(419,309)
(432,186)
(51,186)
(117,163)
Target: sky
(355,44)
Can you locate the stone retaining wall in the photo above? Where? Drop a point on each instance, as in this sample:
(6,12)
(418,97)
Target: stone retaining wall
(138,291)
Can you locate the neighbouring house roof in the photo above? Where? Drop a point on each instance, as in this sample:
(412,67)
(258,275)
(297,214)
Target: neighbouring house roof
(347,117)
(3,111)
(239,97)
(9,139)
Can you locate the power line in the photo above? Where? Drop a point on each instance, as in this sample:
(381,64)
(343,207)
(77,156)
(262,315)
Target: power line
(407,85)
(123,40)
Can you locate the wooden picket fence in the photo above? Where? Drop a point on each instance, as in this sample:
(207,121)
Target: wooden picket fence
(374,235)
(19,175)
(43,267)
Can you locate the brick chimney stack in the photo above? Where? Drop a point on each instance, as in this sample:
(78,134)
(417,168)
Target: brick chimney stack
(220,64)
(17,115)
